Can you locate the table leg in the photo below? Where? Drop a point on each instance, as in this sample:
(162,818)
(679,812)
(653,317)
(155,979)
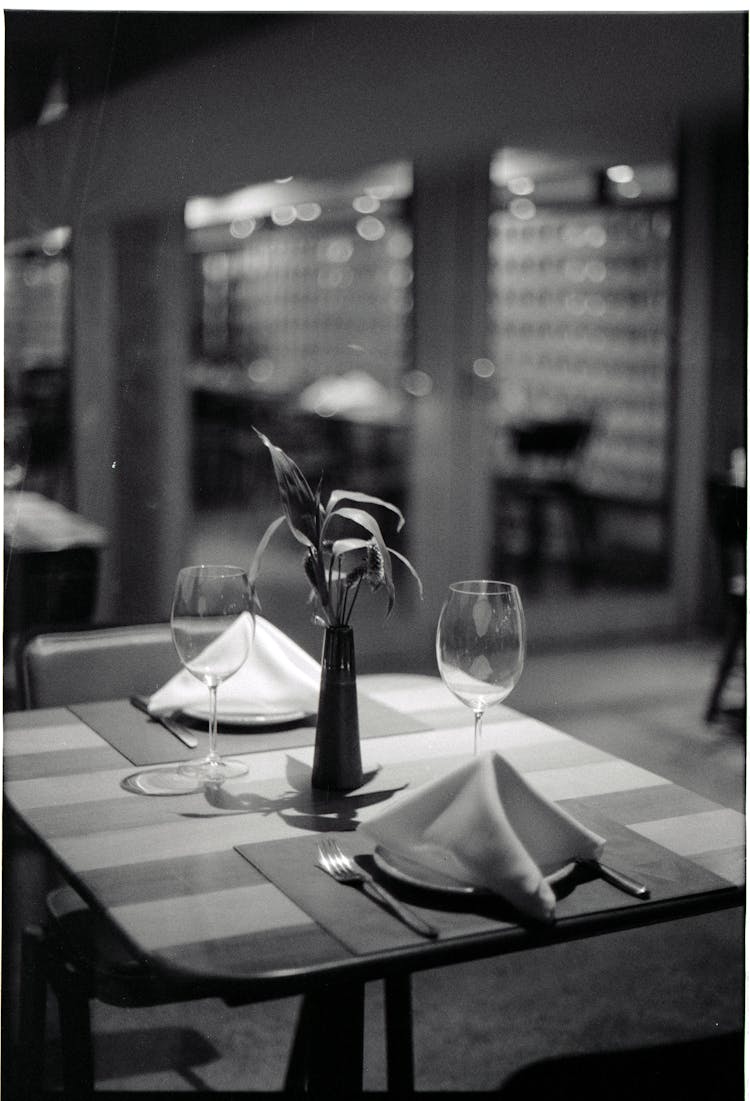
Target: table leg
(399,1039)
(334,1025)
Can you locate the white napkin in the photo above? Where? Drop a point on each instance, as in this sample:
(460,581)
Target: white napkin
(277,675)
(484,825)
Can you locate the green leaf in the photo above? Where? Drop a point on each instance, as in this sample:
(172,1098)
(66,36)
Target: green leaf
(298,500)
(363,499)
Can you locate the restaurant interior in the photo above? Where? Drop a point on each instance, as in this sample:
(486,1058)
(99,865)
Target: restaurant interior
(490,268)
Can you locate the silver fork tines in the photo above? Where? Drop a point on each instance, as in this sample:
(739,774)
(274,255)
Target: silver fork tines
(333,860)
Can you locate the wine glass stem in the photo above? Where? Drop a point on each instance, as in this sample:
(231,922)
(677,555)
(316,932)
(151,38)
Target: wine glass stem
(212,724)
(477,732)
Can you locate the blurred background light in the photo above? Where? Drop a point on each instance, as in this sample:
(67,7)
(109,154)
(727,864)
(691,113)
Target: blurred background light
(620,173)
(366,204)
(242,227)
(523,209)
(370,228)
(521,185)
(483,368)
(417,383)
(283,215)
(631,189)
(308,212)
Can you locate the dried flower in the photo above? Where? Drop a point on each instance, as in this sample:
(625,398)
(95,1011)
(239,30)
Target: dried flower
(334,566)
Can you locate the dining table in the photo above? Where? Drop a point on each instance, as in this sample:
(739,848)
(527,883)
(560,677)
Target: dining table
(219,887)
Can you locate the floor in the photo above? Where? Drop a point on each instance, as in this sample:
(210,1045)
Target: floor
(475,1024)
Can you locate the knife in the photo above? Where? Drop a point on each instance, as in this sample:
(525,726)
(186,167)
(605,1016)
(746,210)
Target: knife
(173,727)
(617,879)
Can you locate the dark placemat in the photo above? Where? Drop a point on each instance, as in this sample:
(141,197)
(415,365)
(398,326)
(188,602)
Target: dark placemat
(143,741)
(363,926)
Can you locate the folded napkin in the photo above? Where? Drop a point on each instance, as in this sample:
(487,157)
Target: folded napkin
(484,826)
(277,675)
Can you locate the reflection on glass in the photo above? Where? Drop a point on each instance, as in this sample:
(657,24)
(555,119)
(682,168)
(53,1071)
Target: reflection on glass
(580,313)
(37,379)
(303,303)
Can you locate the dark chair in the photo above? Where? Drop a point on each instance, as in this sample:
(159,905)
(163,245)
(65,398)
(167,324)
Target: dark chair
(706,1069)
(44,392)
(727,509)
(545,475)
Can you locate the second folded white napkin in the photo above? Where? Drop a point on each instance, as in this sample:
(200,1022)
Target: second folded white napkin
(277,675)
(485,826)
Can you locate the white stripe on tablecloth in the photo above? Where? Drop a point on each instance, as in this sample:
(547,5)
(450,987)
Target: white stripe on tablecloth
(63,791)
(457,740)
(696,833)
(49,739)
(419,697)
(598,778)
(517,729)
(214,915)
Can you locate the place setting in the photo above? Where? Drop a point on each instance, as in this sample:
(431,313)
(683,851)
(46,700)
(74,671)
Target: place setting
(478,848)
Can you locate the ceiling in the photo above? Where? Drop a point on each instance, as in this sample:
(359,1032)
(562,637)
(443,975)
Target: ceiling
(97,51)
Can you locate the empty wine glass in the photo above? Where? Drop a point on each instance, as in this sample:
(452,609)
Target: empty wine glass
(208,600)
(481,644)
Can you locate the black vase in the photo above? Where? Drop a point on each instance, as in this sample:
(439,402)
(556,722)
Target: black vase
(337,765)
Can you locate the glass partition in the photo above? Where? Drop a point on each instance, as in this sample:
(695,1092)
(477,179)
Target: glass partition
(37,384)
(581,335)
(303,330)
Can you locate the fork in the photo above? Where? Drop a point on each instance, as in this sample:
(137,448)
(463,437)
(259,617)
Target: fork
(341,867)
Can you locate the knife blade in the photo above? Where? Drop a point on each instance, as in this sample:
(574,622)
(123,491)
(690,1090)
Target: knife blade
(617,879)
(173,727)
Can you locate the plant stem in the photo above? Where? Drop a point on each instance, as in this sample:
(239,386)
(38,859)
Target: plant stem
(322,585)
(348,613)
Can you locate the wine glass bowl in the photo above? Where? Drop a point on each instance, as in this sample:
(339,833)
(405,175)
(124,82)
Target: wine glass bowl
(212,645)
(481,644)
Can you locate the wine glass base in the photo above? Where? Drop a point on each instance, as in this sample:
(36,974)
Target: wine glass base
(213,770)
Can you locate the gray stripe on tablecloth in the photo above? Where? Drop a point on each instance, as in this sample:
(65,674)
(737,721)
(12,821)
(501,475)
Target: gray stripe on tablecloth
(642,804)
(729,863)
(175,877)
(103,815)
(64,762)
(296,947)
(142,741)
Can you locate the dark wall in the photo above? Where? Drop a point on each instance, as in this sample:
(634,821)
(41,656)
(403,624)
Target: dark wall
(334,93)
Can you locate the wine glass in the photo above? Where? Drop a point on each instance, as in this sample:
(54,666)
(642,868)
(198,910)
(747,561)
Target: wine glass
(481,644)
(208,600)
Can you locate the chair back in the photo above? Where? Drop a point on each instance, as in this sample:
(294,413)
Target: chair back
(551,450)
(727,508)
(60,668)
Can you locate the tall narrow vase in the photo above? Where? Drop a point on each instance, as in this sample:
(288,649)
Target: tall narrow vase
(337,765)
